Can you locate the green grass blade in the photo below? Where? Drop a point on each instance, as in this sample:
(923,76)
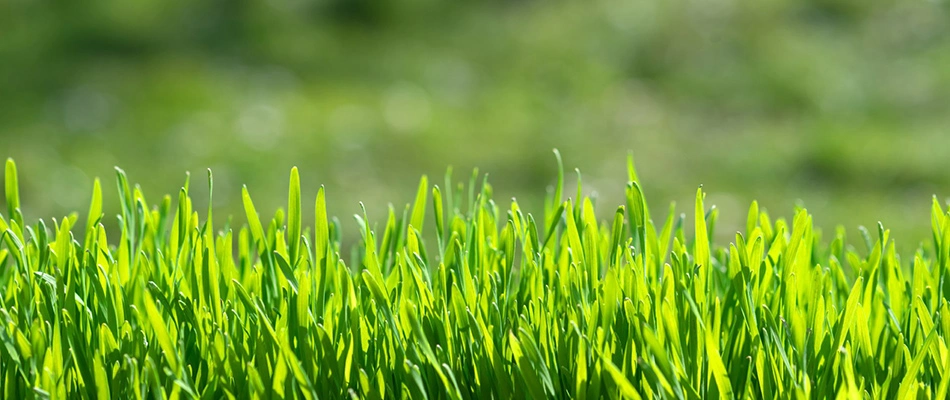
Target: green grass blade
(419,206)
(293,217)
(702,251)
(95,211)
(321,228)
(257,230)
(12,191)
(157,322)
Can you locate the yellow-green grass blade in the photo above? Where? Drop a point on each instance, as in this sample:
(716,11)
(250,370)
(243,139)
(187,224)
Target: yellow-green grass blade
(294,217)
(12,192)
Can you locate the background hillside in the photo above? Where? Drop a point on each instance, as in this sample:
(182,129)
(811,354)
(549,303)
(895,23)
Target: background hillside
(842,104)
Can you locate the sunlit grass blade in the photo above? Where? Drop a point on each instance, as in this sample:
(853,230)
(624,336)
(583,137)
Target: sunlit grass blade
(419,206)
(12,192)
(257,230)
(321,228)
(702,252)
(160,330)
(293,217)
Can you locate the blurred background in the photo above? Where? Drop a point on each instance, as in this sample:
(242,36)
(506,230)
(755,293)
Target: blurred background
(840,105)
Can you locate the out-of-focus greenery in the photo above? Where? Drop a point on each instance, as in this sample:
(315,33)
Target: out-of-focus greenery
(844,104)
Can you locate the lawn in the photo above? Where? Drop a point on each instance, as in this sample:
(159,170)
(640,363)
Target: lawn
(463,295)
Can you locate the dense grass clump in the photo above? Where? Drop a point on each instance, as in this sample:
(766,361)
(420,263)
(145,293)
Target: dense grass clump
(495,303)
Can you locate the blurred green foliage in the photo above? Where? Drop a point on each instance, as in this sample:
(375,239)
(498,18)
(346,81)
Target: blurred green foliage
(844,104)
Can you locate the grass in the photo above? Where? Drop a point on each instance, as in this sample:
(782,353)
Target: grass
(487,302)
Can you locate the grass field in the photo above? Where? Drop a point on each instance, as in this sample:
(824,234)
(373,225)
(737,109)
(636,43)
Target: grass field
(463,295)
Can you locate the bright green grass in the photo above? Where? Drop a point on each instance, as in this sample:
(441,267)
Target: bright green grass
(495,303)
